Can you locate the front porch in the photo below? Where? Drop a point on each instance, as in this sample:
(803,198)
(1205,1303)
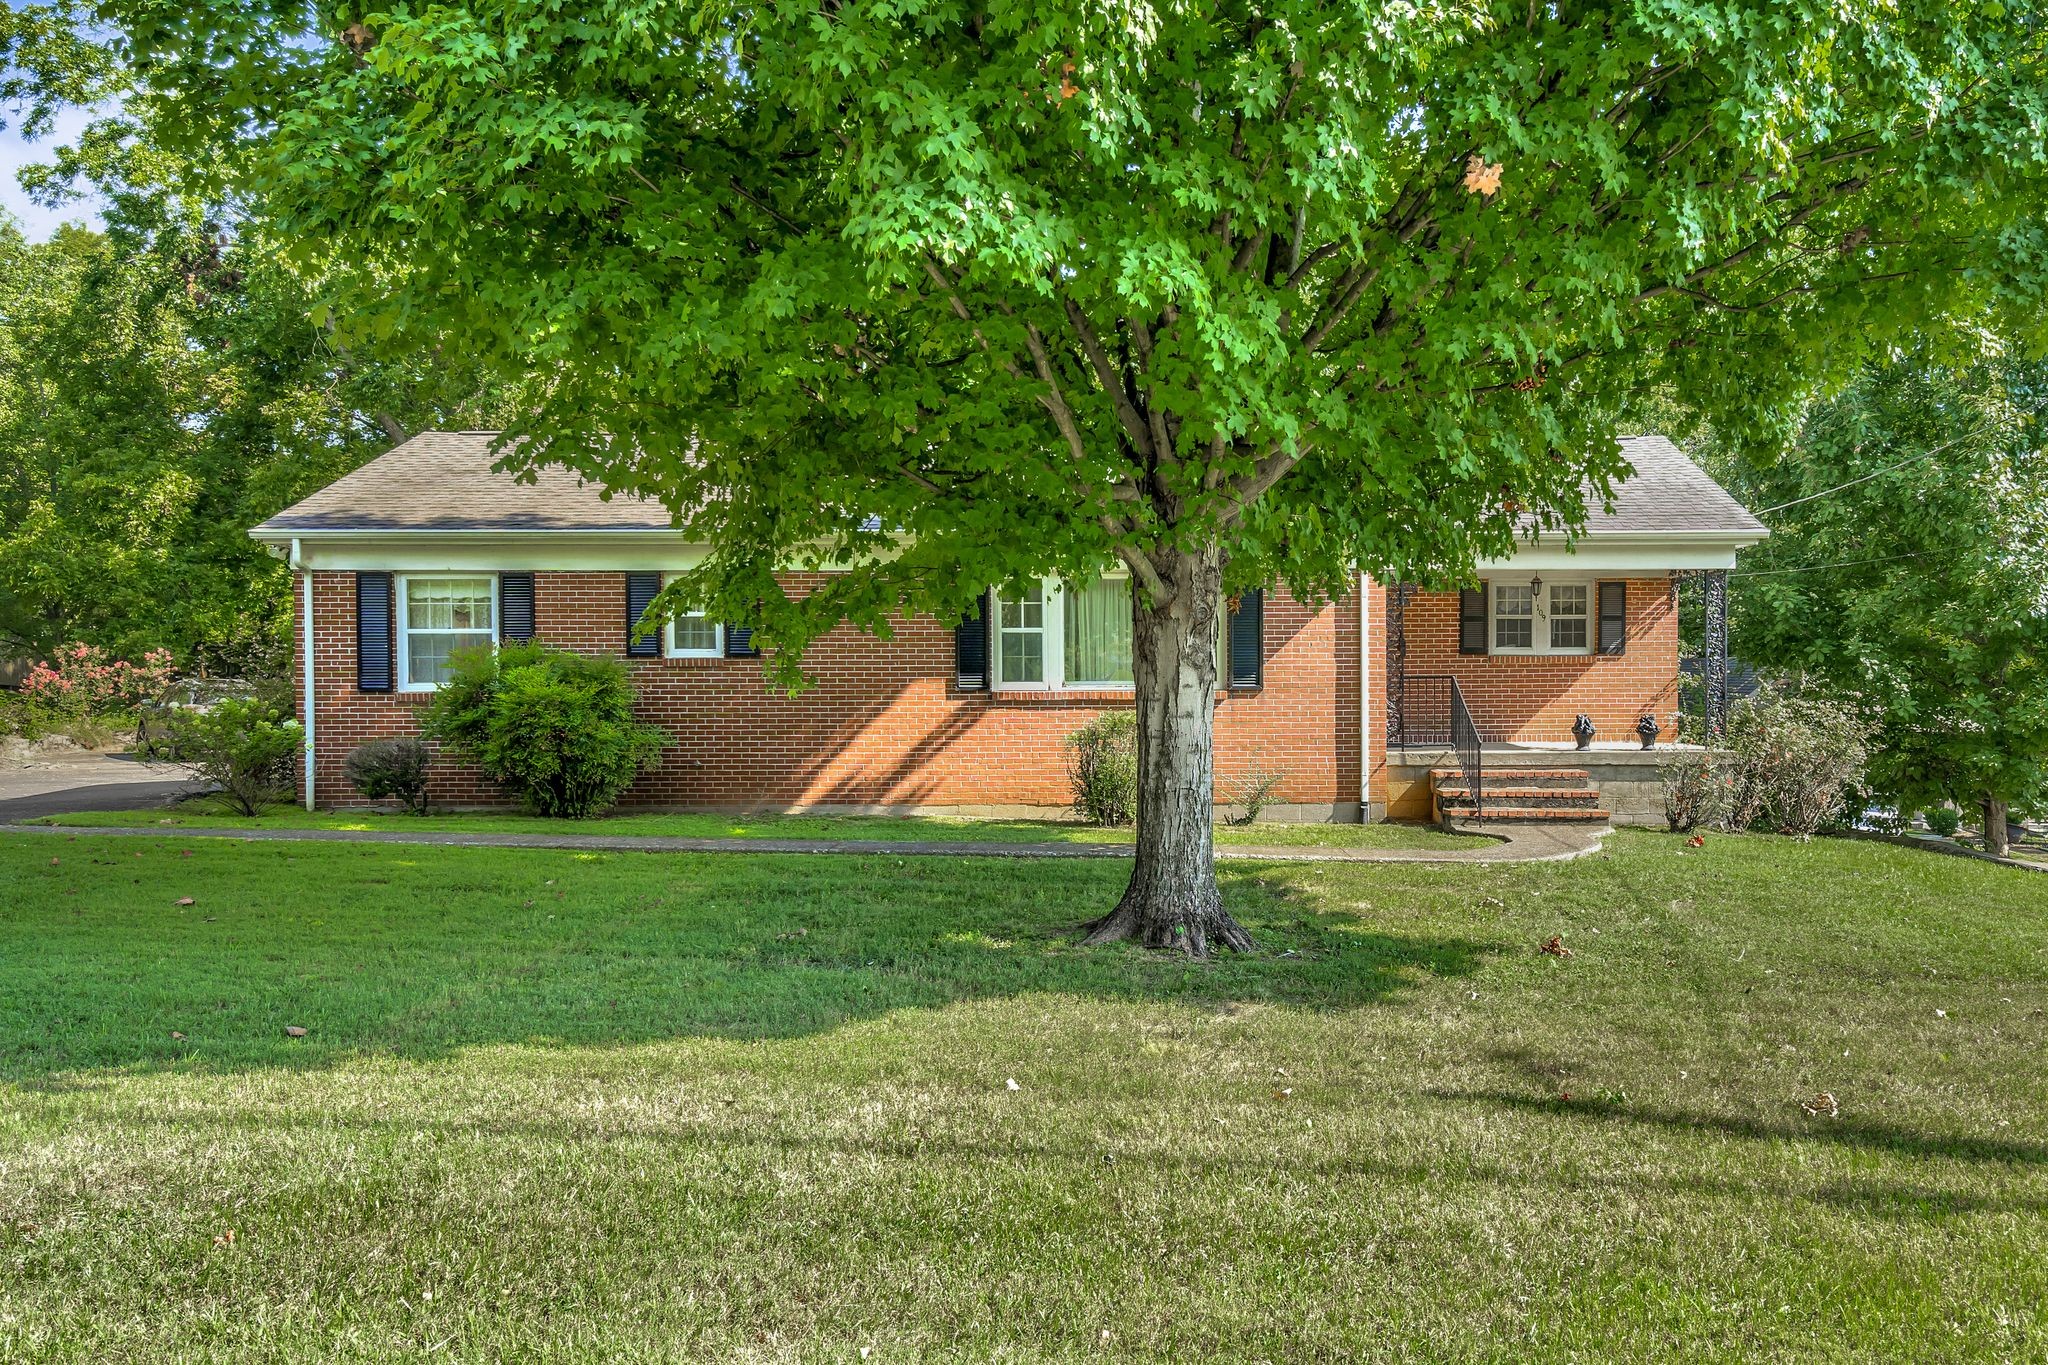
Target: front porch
(1487,687)
(1629,778)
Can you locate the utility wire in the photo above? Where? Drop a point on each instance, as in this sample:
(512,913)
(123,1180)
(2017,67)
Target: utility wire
(1911,459)
(1810,568)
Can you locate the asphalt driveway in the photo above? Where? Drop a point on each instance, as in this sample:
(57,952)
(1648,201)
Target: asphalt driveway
(60,783)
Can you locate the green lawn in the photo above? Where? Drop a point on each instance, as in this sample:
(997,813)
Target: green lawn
(642,1107)
(206,814)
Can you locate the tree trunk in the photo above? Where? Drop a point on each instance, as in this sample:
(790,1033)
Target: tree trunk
(1996,837)
(1173,900)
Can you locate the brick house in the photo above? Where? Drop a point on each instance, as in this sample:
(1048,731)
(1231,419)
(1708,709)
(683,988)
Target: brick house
(1356,702)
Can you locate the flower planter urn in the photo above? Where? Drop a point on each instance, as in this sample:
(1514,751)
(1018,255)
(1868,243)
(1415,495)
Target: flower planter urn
(1583,730)
(1648,728)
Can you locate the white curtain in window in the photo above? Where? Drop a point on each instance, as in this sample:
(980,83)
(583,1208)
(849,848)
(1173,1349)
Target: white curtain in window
(443,615)
(1099,632)
(696,634)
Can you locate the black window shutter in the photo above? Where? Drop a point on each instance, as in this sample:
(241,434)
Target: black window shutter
(373,632)
(1472,620)
(739,642)
(640,590)
(970,649)
(1614,617)
(1248,640)
(515,607)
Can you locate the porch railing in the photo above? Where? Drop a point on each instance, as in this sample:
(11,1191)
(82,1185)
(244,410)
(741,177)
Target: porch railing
(1433,715)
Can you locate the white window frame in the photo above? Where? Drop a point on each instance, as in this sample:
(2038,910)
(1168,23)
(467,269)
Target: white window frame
(669,647)
(404,631)
(1539,618)
(1053,641)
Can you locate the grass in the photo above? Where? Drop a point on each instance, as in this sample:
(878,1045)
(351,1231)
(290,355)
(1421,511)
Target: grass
(592,1107)
(208,814)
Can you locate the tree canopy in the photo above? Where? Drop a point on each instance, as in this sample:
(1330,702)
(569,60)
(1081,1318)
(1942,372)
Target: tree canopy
(1048,285)
(1908,572)
(160,392)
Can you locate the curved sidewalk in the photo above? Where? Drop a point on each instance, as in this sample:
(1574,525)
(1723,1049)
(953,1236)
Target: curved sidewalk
(1512,844)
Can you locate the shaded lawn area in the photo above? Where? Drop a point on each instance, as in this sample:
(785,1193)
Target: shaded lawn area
(206,813)
(641,1107)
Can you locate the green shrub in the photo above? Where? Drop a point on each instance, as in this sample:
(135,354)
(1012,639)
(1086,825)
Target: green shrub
(1695,792)
(555,727)
(1794,758)
(244,745)
(391,769)
(1102,769)
(1945,821)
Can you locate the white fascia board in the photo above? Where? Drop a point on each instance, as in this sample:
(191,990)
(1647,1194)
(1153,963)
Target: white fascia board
(444,550)
(476,551)
(1643,552)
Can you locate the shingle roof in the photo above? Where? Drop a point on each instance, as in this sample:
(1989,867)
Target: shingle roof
(443,481)
(1668,493)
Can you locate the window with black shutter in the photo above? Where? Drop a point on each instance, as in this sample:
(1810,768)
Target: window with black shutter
(1247,651)
(641,589)
(1613,617)
(373,632)
(739,642)
(515,607)
(970,649)
(1472,620)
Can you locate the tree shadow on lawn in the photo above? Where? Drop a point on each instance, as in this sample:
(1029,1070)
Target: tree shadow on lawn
(417,953)
(1860,1133)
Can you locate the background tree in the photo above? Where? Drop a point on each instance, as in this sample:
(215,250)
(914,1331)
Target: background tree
(1907,570)
(161,391)
(955,294)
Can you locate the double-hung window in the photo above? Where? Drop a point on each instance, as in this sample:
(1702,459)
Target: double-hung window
(438,615)
(1551,618)
(1568,618)
(1514,616)
(1052,634)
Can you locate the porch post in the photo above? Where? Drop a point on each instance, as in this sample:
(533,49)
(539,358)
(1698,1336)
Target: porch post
(1397,663)
(1714,664)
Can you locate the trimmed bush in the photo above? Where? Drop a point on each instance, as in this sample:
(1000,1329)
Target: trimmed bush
(555,727)
(391,770)
(245,746)
(1795,758)
(1945,821)
(1102,769)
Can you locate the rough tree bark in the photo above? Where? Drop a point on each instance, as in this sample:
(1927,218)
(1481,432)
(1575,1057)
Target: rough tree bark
(1173,900)
(1996,837)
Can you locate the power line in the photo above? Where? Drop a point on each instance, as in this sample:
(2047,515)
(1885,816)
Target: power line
(1810,568)
(1911,459)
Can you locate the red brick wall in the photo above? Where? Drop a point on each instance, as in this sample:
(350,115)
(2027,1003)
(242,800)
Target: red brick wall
(1534,698)
(884,725)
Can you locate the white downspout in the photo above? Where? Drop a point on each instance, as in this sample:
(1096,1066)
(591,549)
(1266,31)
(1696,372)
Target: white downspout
(305,661)
(1364,698)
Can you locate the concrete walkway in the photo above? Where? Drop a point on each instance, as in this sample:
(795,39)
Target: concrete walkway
(1513,844)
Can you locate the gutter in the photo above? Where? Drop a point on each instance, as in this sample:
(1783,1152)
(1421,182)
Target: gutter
(305,662)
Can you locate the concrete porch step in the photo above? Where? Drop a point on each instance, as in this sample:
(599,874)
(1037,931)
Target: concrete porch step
(1522,796)
(1532,815)
(1521,777)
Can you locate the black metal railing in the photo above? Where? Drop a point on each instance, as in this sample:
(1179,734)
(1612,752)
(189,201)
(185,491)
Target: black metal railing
(1471,754)
(1433,715)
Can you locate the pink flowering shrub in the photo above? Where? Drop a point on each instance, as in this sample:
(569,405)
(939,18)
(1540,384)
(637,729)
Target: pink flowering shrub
(83,693)
(82,681)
